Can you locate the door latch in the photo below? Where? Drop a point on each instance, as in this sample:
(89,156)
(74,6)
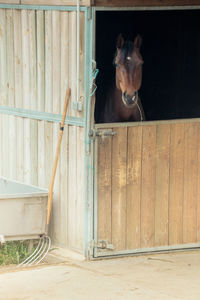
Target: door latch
(102,134)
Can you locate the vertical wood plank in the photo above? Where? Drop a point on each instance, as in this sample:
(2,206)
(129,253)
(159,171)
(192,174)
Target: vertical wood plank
(190,184)
(34,152)
(64,166)
(56,61)
(148,187)
(162,185)
(40,36)
(119,157)
(134,186)
(72,61)
(176,184)
(48,152)
(33,97)
(27,157)
(81,61)
(32,60)
(11,156)
(72,184)
(56,52)
(198,183)
(64,55)
(40,68)
(18,58)
(104,165)
(18,61)
(10,57)
(64,156)
(3,59)
(41,154)
(48,128)
(56,212)
(48,62)
(5,146)
(20,148)
(80,189)
(25,57)
(12,137)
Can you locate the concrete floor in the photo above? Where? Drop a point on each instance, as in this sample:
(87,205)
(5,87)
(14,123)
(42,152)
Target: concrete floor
(152,277)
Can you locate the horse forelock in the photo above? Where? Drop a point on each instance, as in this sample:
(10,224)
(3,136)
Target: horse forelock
(125,51)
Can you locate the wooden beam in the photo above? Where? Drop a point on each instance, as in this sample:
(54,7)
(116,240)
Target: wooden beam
(119,3)
(55,2)
(10,1)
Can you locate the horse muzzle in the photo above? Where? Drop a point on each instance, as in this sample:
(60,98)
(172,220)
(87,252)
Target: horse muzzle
(129,100)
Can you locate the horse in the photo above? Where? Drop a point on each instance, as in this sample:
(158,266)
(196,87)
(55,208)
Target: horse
(122,103)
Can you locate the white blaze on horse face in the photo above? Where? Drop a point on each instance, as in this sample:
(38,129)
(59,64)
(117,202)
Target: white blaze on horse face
(128,71)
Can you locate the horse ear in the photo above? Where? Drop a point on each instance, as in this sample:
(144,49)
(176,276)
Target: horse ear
(137,41)
(120,41)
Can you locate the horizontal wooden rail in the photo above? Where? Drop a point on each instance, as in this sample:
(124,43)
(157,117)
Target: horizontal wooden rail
(43,116)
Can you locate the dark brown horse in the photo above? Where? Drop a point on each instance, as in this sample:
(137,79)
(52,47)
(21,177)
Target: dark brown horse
(122,102)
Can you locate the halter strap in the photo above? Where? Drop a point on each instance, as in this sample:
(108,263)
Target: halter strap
(135,103)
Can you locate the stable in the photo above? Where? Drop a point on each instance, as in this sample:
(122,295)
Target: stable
(121,188)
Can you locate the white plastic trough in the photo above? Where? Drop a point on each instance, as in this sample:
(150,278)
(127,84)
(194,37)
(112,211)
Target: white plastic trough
(23,210)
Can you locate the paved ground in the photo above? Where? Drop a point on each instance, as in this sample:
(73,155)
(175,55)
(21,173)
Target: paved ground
(153,277)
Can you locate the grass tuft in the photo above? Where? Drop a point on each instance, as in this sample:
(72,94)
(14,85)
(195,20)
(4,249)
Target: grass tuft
(14,252)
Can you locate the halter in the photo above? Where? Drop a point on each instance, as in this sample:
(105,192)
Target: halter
(135,99)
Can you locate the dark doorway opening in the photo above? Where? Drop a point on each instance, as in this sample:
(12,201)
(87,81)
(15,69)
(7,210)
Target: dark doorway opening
(171,52)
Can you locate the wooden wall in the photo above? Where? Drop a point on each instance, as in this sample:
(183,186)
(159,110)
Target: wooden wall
(38,59)
(27,150)
(148,185)
(48,2)
(37,63)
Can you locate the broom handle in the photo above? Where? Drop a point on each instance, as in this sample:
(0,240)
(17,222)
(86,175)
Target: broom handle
(50,195)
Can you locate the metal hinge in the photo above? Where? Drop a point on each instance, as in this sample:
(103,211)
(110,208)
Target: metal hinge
(103,244)
(89,13)
(77,105)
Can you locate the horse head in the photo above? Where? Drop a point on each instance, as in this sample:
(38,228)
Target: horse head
(128,62)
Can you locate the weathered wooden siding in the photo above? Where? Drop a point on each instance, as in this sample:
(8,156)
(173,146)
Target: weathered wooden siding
(38,59)
(148,185)
(37,64)
(27,150)
(48,2)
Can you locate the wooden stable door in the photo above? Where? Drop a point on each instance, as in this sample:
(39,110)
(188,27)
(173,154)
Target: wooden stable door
(148,186)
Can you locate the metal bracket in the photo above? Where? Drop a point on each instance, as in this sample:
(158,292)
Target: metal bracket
(89,13)
(101,134)
(77,105)
(105,133)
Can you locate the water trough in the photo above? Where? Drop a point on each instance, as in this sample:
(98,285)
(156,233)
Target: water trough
(23,210)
